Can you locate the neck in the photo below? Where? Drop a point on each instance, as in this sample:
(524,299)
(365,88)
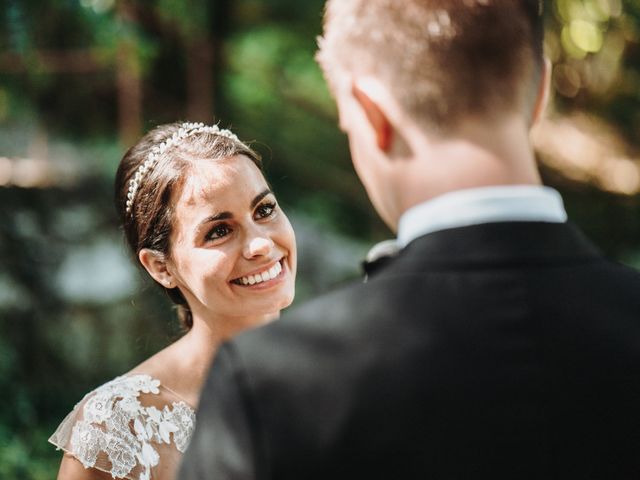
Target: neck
(183,366)
(196,351)
(478,155)
(220,328)
(209,333)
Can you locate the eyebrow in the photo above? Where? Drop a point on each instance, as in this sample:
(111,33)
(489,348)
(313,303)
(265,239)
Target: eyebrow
(228,215)
(259,197)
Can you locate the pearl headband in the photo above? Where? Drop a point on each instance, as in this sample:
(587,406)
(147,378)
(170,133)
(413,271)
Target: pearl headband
(186,130)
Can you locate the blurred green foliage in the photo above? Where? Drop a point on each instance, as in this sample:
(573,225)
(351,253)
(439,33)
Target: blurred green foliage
(594,47)
(60,62)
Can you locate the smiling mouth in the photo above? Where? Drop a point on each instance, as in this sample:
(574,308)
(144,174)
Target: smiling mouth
(260,277)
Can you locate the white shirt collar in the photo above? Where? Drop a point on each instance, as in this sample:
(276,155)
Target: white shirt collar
(511,203)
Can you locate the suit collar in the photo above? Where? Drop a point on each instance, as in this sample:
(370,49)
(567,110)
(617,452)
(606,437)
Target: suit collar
(502,242)
(475,206)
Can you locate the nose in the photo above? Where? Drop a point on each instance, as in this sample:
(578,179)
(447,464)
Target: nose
(258,246)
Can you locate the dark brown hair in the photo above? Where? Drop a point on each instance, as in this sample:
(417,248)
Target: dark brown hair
(442,60)
(150,220)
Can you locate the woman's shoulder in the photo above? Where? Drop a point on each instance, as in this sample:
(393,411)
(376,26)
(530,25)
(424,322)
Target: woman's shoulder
(127,427)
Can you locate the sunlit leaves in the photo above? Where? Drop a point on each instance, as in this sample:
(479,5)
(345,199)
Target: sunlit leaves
(584,35)
(98,6)
(587,44)
(272,64)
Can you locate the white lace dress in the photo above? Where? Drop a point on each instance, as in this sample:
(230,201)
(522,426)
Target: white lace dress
(131,427)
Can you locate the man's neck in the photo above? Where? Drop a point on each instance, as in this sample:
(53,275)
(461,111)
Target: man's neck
(478,155)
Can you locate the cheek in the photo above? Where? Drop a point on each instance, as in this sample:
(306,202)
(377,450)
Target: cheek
(206,267)
(219,266)
(285,236)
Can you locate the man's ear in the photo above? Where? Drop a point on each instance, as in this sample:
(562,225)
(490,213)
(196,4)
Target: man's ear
(155,263)
(543,91)
(368,96)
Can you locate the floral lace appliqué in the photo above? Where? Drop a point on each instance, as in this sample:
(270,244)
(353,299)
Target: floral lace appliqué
(116,423)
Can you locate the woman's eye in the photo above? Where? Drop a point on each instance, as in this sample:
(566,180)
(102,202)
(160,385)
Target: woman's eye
(219,231)
(265,210)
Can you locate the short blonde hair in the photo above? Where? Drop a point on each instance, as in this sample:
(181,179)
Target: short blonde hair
(441,59)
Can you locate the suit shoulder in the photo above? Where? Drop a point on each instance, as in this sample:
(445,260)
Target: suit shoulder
(328,303)
(320,320)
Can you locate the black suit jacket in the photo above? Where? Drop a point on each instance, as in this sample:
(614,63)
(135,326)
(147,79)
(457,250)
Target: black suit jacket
(502,351)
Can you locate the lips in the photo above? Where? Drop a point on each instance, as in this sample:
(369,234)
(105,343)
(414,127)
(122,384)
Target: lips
(261,276)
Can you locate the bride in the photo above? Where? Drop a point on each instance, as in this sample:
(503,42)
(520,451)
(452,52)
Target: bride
(201,219)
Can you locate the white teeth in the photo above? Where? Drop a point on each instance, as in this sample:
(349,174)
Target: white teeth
(270,274)
(273,271)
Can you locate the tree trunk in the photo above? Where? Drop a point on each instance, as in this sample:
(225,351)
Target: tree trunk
(199,63)
(129,85)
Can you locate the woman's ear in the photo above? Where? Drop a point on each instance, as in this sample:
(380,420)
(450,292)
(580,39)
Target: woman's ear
(367,94)
(155,263)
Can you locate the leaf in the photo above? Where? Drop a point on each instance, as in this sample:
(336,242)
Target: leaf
(139,428)
(165,435)
(155,414)
(165,431)
(149,455)
(149,431)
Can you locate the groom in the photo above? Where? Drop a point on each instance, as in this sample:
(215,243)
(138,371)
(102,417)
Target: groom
(498,343)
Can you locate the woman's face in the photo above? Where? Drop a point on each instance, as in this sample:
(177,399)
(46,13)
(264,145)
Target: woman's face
(233,251)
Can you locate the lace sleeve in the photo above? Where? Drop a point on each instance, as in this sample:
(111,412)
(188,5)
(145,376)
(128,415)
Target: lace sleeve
(128,428)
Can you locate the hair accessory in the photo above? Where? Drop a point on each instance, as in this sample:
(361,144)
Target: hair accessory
(186,130)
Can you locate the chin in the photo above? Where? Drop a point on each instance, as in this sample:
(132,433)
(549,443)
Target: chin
(288,300)
(279,306)
(266,319)
(266,309)
(275,309)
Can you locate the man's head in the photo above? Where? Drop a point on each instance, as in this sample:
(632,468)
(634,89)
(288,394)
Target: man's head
(442,60)
(452,84)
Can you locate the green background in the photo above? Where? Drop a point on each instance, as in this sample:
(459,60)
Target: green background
(80,80)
